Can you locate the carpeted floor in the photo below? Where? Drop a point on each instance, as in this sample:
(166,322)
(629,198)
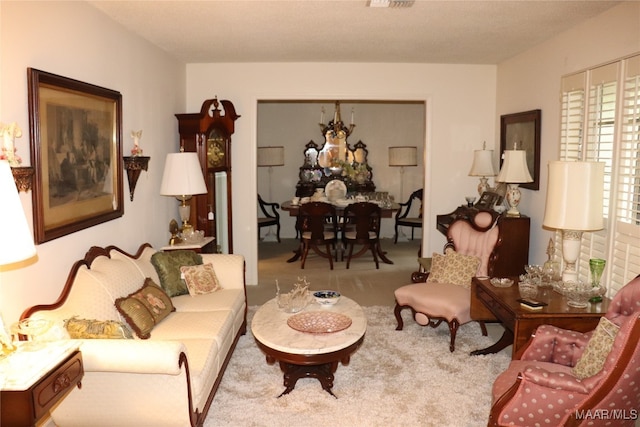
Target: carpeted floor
(396,378)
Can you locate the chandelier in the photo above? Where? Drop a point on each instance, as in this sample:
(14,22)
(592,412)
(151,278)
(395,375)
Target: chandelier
(336,126)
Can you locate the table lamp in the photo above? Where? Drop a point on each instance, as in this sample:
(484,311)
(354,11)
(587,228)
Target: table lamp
(574,204)
(270,157)
(514,171)
(17,241)
(403,156)
(482,166)
(182,179)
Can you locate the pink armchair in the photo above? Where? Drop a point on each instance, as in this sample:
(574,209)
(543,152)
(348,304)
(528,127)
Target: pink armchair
(540,388)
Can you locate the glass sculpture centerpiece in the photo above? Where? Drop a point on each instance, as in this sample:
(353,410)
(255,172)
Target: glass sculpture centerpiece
(296,299)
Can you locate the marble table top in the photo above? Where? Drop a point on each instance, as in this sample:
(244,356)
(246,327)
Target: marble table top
(269,326)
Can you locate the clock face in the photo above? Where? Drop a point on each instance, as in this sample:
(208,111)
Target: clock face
(215,152)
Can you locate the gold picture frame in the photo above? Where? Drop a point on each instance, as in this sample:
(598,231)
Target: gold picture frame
(76,133)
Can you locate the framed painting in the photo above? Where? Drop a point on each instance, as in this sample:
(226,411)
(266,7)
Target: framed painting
(523,131)
(76,132)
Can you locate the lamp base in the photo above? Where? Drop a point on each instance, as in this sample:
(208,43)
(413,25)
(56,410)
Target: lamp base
(570,252)
(513,198)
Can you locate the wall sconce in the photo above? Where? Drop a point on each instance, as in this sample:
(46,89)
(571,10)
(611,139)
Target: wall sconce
(514,171)
(574,204)
(403,156)
(270,157)
(482,166)
(136,163)
(182,179)
(22,175)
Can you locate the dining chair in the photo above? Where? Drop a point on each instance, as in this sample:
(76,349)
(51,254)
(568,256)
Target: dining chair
(317,224)
(271,216)
(402,216)
(361,226)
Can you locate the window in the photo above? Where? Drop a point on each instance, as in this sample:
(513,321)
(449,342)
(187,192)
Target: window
(601,122)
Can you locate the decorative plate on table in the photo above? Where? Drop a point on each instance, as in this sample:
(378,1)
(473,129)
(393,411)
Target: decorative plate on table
(319,322)
(335,190)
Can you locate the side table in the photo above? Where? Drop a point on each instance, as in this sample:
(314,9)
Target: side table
(205,246)
(35,380)
(491,304)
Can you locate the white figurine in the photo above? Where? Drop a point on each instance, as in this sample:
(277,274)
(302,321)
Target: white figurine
(136,150)
(9,133)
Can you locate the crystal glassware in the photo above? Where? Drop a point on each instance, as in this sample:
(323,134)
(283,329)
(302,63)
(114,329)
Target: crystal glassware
(596,265)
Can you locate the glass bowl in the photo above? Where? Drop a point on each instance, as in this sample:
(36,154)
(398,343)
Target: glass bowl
(578,293)
(528,290)
(501,282)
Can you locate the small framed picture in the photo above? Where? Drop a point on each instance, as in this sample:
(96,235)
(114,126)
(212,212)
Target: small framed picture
(488,200)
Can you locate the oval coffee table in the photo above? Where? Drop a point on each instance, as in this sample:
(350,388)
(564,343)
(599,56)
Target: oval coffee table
(303,354)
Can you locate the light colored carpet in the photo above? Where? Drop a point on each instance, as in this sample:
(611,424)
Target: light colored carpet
(396,378)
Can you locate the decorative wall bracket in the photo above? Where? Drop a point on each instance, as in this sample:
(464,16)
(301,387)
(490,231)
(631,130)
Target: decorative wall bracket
(134,165)
(23,176)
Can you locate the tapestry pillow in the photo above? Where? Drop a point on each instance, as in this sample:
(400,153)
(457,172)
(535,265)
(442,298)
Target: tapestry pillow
(91,328)
(597,350)
(145,308)
(438,267)
(200,279)
(167,265)
(454,267)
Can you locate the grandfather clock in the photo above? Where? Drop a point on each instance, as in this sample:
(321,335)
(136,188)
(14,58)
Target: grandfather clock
(209,134)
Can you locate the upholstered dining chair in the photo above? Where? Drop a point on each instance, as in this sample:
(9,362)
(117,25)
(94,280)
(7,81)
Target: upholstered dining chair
(446,294)
(402,216)
(361,226)
(569,378)
(317,224)
(271,216)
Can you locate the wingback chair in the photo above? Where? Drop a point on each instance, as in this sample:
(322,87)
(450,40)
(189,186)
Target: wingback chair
(446,295)
(541,387)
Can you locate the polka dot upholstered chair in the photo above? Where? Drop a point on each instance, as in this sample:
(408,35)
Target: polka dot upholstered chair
(557,380)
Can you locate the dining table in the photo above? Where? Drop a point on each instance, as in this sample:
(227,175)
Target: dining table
(385,212)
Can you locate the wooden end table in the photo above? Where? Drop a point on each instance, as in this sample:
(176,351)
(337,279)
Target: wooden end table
(491,304)
(306,355)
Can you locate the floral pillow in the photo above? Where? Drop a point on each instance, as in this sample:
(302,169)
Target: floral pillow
(200,279)
(145,308)
(597,350)
(453,267)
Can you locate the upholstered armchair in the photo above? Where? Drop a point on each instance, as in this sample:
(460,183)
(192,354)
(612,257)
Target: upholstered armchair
(446,294)
(568,378)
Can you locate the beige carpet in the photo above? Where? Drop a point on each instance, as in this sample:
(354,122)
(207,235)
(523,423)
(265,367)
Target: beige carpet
(361,282)
(396,378)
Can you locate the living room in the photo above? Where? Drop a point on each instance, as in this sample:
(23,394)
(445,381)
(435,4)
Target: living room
(464,103)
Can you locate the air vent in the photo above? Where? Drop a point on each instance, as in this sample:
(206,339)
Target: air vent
(391,3)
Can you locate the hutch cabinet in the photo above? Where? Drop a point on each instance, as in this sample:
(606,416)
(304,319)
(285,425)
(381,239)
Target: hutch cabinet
(208,133)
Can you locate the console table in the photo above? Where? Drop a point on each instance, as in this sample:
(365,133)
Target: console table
(512,249)
(491,304)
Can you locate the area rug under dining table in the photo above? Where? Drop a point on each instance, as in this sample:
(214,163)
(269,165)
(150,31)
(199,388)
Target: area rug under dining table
(396,378)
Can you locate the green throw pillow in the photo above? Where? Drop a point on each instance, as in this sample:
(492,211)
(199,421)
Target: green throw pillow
(145,308)
(167,265)
(91,328)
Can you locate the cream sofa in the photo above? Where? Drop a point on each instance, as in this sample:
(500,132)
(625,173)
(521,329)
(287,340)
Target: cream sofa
(167,380)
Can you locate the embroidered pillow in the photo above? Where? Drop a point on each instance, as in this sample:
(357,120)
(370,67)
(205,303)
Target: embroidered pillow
(91,328)
(200,279)
(438,267)
(597,350)
(167,265)
(145,308)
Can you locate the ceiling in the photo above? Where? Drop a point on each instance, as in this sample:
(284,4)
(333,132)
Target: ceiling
(469,32)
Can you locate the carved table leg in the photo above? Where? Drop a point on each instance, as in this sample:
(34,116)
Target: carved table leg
(323,373)
(505,340)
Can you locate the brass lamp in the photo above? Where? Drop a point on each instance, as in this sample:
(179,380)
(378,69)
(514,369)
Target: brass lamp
(182,179)
(17,242)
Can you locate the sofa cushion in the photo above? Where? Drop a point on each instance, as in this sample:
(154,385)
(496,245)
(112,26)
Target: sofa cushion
(597,350)
(200,279)
(454,268)
(168,264)
(145,308)
(91,328)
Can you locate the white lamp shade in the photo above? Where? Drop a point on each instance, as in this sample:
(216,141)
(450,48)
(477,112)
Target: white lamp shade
(17,240)
(575,196)
(482,163)
(403,156)
(271,156)
(182,175)
(514,168)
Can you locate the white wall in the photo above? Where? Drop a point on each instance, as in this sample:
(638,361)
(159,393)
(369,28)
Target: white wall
(460,115)
(532,80)
(74,40)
